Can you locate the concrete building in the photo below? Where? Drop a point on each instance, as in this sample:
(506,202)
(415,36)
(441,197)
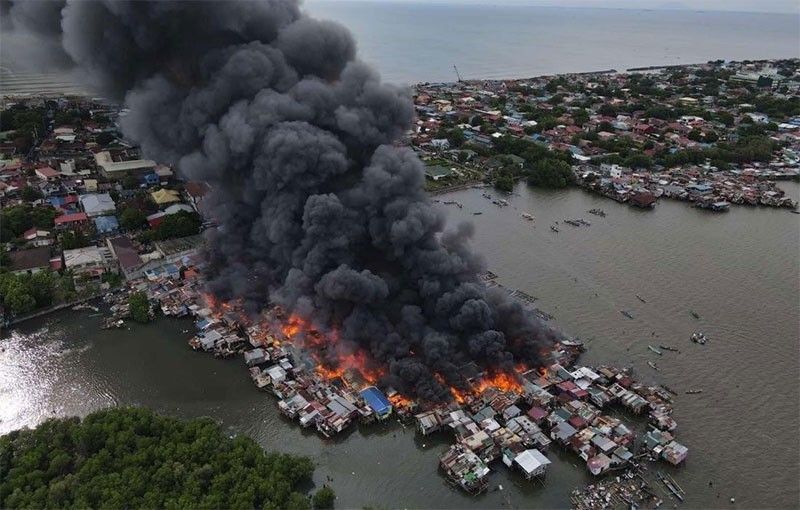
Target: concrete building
(118,169)
(89,262)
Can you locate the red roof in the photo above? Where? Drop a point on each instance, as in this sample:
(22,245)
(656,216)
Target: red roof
(47,172)
(55,264)
(577,421)
(71,218)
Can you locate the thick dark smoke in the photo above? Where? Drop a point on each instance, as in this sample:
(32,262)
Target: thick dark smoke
(317,209)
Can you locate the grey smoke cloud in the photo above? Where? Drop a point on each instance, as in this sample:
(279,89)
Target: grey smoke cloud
(318,210)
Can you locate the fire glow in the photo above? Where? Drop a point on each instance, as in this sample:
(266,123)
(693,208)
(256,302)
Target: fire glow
(333,363)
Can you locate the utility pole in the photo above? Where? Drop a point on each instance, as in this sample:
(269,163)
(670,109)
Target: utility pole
(458,75)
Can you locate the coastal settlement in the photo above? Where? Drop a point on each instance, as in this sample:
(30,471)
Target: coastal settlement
(84,213)
(710,134)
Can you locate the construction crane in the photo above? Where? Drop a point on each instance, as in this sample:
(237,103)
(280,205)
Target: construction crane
(458,75)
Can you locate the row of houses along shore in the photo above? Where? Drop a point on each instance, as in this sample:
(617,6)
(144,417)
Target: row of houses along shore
(561,406)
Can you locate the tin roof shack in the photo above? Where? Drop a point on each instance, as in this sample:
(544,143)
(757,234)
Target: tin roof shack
(642,198)
(428,422)
(465,469)
(377,401)
(674,453)
(599,464)
(531,463)
(30,261)
(255,357)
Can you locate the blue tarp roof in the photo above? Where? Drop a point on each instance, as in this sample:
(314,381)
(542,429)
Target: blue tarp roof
(376,400)
(106,224)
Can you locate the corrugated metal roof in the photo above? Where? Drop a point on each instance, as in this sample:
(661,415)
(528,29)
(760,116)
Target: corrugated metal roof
(376,400)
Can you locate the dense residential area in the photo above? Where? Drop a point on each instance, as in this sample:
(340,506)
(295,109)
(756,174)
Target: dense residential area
(82,211)
(714,134)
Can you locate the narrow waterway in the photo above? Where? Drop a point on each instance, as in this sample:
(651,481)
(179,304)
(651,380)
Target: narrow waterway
(738,271)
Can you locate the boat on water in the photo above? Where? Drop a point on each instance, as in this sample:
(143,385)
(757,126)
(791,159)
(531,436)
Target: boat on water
(527,216)
(699,338)
(652,365)
(668,348)
(553,228)
(626,314)
(694,314)
(655,350)
(693,392)
(668,389)
(477,213)
(640,298)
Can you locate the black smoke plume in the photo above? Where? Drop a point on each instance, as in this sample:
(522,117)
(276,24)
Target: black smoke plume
(318,210)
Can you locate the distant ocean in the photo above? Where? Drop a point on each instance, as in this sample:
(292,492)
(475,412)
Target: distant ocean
(414,42)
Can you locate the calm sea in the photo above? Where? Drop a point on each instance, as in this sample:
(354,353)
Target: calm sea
(415,42)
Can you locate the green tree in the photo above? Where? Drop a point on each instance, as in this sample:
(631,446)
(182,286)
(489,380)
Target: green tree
(180,224)
(638,161)
(18,299)
(17,219)
(133,458)
(74,239)
(726,118)
(324,498)
(130,182)
(29,194)
(105,138)
(132,219)
(551,173)
(456,137)
(139,307)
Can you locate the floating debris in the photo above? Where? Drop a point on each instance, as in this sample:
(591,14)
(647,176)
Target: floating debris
(554,229)
(693,392)
(654,350)
(626,314)
(668,348)
(694,314)
(640,298)
(597,212)
(699,338)
(652,365)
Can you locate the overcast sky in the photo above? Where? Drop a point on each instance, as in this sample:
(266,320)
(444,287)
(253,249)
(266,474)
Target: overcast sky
(784,6)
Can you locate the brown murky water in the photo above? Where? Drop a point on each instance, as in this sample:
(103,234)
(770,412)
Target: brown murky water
(738,271)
